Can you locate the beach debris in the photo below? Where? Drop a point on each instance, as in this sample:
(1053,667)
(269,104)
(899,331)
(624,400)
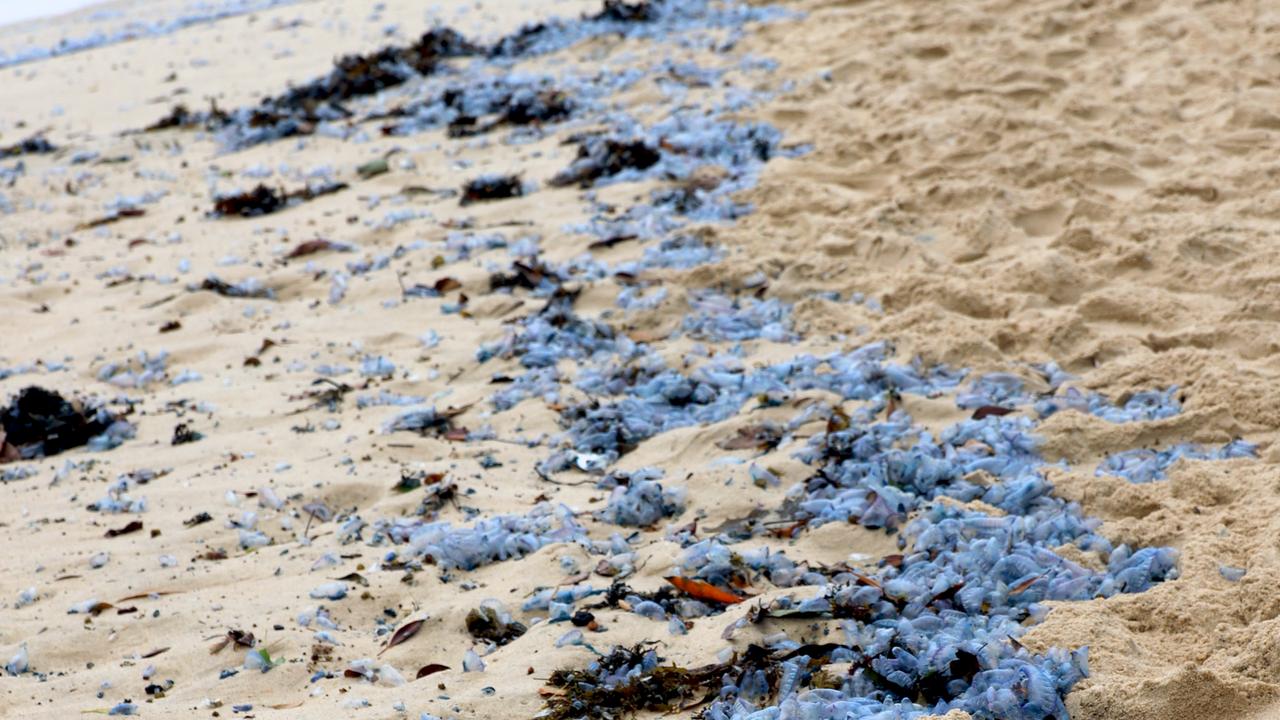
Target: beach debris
(235,639)
(183,434)
(40,422)
(762,438)
(429,421)
(180,117)
(114,216)
(701,590)
(318,245)
(430,669)
(491,187)
(131,527)
(199,518)
(605,157)
(262,200)
(403,634)
(250,289)
(303,107)
(372,169)
(34,145)
(491,622)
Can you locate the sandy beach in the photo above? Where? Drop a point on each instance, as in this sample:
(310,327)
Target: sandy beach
(636,359)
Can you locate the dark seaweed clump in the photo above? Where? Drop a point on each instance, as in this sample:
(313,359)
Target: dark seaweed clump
(263,200)
(628,681)
(296,111)
(41,422)
(605,157)
(492,187)
(34,145)
(518,107)
(489,623)
(359,75)
(181,117)
(542,36)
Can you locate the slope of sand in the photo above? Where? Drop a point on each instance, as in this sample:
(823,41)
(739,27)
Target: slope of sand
(1089,183)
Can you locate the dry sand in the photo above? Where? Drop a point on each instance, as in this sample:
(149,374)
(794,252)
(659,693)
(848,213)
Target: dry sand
(1086,182)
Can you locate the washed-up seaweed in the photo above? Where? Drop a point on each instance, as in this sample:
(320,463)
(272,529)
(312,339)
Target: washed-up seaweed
(34,145)
(181,117)
(517,107)
(39,422)
(246,289)
(489,622)
(605,157)
(628,681)
(263,200)
(491,187)
(298,110)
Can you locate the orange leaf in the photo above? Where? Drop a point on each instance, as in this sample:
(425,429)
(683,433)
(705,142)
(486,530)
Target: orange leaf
(699,590)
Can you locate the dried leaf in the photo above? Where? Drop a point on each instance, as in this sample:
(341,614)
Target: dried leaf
(610,242)
(100,607)
(153,653)
(406,631)
(356,578)
(431,669)
(700,590)
(311,247)
(991,411)
(1024,585)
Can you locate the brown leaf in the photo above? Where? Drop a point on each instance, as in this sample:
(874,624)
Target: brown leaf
(699,590)
(431,669)
(405,632)
(990,411)
(132,527)
(1024,585)
(838,421)
(610,242)
(356,578)
(446,284)
(100,607)
(310,247)
(154,653)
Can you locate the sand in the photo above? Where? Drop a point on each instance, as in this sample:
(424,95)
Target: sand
(1084,182)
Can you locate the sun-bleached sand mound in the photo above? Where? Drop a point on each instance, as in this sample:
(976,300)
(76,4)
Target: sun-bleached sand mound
(616,359)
